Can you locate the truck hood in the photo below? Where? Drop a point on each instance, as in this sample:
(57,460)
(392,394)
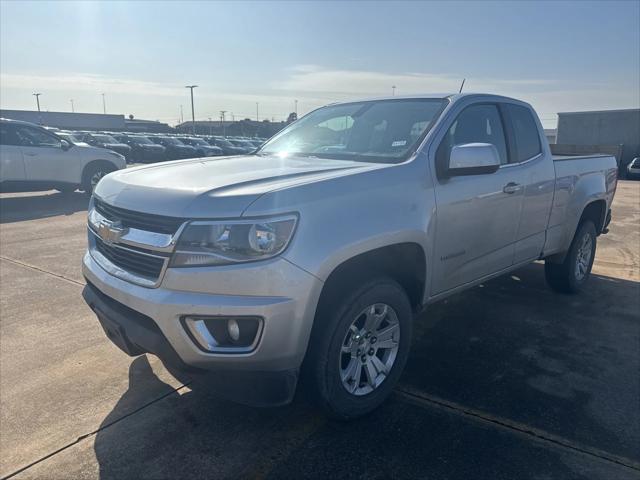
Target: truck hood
(215,187)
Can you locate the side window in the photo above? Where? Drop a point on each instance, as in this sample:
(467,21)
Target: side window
(475,124)
(34,137)
(8,135)
(525,131)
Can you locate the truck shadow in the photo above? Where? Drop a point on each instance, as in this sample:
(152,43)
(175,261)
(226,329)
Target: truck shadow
(511,348)
(192,432)
(32,206)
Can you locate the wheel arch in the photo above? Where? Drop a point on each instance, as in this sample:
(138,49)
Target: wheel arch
(403,262)
(596,211)
(95,163)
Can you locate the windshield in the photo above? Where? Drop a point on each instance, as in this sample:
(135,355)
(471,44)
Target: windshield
(375,131)
(198,141)
(141,140)
(105,138)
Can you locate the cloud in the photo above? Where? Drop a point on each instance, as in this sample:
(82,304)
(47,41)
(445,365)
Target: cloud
(88,83)
(348,83)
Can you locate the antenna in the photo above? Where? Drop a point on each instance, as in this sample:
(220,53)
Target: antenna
(462,85)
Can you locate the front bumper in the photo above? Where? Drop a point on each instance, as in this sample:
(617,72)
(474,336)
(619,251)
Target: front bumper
(282,294)
(136,334)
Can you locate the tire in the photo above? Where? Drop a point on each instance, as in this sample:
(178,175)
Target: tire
(571,275)
(93,174)
(327,362)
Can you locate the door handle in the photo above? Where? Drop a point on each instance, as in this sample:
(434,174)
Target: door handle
(30,154)
(512,187)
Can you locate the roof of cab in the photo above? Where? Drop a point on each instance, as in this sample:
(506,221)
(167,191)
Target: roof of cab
(450,96)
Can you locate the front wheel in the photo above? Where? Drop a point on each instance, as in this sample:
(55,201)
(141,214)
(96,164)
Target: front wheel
(360,347)
(93,175)
(572,274)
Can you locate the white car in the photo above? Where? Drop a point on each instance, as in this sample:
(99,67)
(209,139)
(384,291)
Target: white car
(33,158)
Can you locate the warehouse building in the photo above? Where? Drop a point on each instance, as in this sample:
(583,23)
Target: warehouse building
(85,121)
(619,129)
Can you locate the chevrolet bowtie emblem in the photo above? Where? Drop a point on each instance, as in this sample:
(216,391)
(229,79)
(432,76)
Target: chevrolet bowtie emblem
(111,232)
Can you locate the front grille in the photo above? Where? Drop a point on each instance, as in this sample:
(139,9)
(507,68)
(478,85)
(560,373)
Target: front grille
(131,260)
(139,220)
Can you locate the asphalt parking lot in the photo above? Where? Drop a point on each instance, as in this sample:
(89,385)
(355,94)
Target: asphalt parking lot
(508,380)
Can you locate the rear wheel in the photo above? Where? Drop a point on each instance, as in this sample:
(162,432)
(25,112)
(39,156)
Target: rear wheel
(359,350)
(93,174)
(572,274)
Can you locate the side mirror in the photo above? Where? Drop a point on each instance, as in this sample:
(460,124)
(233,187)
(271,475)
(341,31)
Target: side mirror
(65,145)
(473,159)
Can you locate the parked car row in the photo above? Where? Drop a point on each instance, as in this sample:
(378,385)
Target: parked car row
(153,147)
(33,157)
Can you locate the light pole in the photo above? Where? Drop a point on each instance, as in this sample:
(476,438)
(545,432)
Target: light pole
(37,95)
(181,115)
(193,115)
(257,116)
(296,108)
(72,109)
(104,105)
(393,90)
(210,127)
(222,113)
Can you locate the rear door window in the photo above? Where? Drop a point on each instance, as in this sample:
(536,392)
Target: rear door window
(525,132)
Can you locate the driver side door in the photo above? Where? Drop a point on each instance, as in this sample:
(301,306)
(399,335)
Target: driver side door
(477,215)
(44,158)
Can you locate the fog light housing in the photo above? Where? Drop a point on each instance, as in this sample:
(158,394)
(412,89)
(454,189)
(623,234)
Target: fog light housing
(224,334)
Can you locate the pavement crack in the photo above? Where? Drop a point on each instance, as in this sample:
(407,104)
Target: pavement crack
(42,270)
(92,433)
(422,399)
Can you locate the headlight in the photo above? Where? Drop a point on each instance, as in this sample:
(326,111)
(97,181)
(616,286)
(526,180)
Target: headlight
(234,241)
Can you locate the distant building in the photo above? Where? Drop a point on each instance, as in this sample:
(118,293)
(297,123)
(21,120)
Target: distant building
(85,121)
(614,128)
(66,120)
(551,134)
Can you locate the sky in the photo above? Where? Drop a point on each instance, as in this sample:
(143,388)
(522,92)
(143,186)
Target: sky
(559,56)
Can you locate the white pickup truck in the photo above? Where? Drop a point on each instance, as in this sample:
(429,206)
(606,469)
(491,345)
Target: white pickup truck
(34,158)
(315,253)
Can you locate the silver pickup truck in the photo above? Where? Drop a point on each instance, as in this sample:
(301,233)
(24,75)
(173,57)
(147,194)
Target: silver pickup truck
(311,257)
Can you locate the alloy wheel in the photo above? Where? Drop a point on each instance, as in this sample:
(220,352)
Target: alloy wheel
(369,349)
(96,177)
(583,257)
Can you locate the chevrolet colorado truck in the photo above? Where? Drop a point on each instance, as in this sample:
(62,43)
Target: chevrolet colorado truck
(33,158)
(311,257)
